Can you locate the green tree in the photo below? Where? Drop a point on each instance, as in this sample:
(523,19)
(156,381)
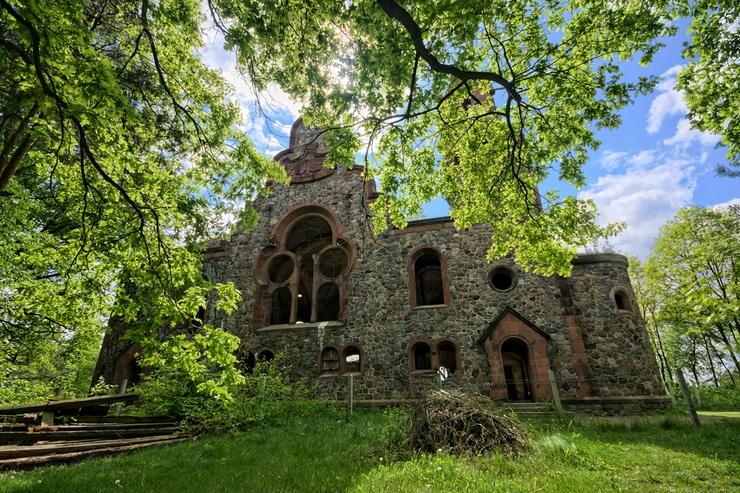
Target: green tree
(694,268)
(476,102)
(119,147)
(711,80)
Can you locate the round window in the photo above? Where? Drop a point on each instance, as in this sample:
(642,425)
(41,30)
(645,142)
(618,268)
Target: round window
(333,262)
(502,278)
(281,267)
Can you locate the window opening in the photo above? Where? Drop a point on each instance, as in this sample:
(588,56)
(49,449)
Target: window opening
(422,356)
(329,360)
(352,363)
(428,273)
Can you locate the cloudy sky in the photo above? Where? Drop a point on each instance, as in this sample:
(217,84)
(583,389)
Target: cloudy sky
(644,171)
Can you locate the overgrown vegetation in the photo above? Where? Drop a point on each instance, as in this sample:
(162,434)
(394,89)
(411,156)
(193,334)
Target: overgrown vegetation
(326,452)
(263,396)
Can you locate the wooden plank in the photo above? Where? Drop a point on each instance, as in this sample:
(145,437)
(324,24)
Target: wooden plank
(7,437)
(122,419)
(69,404)
(100,426)
(17,452)
(28,462)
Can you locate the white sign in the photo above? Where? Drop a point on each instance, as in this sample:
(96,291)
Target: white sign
(353,358)
(442,373)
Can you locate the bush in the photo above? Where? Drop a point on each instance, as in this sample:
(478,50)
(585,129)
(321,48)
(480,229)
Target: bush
(723,398)
(460,422)
(266,396)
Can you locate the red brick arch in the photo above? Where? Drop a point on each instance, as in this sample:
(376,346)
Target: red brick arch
(511,325)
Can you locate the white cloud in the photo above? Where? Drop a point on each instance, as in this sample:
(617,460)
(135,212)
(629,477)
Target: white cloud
(728,204)
(611,160)
(644,198)
(685,136)
(668,102)
(266,115)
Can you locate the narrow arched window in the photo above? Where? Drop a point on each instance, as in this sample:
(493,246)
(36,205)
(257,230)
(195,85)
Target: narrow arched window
(428,274)
(352,359)
(329,360)
(327,302)
(247,361)
(281,305)
(622,301)
(427,279)
(447,356)
(421,357)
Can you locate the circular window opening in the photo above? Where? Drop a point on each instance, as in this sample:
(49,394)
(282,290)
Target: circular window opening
(502,279)
(333,262)
(280,269)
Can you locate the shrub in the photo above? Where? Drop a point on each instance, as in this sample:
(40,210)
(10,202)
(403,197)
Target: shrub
(264,396)
(460,422)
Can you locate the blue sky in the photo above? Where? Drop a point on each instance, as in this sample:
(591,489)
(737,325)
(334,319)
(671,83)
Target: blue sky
(644,171)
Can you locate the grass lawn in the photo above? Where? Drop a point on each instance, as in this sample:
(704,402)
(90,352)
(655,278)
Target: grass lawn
(330,454)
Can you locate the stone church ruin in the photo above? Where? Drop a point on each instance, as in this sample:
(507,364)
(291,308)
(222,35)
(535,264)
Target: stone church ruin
(391,309)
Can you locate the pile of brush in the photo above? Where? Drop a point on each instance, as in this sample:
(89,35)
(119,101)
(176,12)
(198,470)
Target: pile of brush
(459,422)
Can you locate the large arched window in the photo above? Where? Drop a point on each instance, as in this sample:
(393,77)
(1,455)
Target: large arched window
(428,283)
(303,269)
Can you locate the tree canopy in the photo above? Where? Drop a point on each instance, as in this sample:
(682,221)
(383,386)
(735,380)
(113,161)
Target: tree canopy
(689,290)
(711,80)
(120,148)
(478,103)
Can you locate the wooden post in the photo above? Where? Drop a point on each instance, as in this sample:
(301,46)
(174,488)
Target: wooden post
(687,396)
(122,386)
(351,394)
(555,393)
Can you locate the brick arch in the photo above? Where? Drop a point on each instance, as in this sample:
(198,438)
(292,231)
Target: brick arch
(511,325)
(301,210)
(276,246)
(411,275)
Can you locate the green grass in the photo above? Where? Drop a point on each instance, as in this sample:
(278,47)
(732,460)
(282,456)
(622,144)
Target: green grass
(330,454)
(721,414)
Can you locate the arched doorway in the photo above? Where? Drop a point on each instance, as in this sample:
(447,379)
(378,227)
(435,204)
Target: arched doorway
(515,359)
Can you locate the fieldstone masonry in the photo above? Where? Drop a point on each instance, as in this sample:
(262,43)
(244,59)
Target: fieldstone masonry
(600,355)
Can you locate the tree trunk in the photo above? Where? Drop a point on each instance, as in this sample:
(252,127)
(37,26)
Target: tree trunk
(693,361)
(711,363)
(730,347)
(722,360)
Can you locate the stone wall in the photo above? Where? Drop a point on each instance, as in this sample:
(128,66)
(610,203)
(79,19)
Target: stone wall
(572,326)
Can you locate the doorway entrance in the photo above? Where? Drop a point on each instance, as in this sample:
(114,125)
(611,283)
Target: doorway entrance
(515,359)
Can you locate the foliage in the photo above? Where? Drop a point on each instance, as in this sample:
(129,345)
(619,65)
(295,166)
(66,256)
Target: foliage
(476,103)
(185,386)
(689,293)
(326,453)
(120,151)
(725,396)
(711,80)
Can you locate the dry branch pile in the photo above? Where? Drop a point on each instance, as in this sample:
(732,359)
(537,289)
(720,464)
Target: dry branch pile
(464,423)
